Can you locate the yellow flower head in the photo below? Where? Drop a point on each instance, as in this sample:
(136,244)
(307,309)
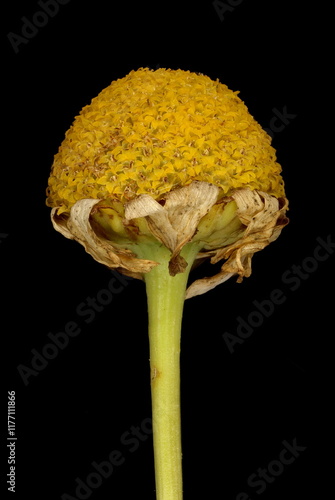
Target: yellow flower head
(153,131)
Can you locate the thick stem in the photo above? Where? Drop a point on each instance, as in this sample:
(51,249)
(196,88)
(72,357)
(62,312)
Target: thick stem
(166,295)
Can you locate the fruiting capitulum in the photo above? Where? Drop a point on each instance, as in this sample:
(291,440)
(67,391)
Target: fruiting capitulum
(161,169)
(139,142)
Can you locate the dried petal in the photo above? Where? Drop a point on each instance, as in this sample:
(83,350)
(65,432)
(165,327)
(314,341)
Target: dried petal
(264,217)
(175,223)
(77,227)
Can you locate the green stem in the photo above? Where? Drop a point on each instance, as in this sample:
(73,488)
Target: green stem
(166,295)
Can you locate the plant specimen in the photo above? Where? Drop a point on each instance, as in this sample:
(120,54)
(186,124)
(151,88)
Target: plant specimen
(162,170)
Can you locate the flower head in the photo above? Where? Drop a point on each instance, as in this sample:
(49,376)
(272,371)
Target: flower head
(153,131)
(173,158)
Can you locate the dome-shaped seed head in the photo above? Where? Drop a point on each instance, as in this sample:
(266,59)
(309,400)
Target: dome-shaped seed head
(153,131)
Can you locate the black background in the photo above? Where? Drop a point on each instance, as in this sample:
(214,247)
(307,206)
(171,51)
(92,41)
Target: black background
(237,408)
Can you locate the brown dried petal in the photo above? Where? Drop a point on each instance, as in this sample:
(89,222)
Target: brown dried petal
(77,227)
(175,223)
(264,217)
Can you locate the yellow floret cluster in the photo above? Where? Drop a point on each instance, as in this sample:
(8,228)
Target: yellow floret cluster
(153,131)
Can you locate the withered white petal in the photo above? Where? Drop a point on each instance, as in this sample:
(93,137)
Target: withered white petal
(78,227)
(175,222)
(264,219)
